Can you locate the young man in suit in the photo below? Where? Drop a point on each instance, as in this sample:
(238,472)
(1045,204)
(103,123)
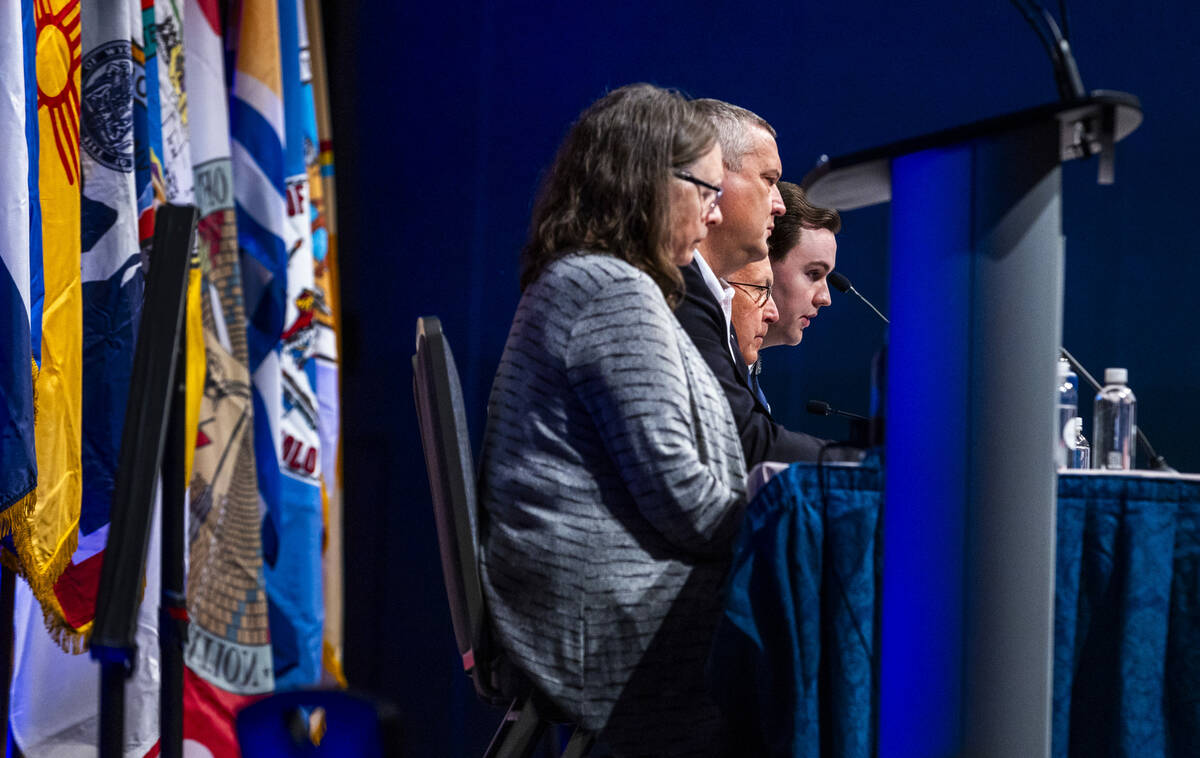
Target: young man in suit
(803,250)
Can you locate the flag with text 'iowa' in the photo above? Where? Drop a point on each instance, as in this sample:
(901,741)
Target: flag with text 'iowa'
(18,474)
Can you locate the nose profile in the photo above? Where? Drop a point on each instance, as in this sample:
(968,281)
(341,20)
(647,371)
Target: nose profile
(770,311)
(822,297)
(777,206)
(714,216)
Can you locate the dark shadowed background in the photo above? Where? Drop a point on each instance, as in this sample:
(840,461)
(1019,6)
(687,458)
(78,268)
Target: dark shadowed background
(447,114)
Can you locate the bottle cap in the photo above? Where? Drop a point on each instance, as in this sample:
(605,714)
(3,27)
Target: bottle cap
(1116,376)
(1064,368)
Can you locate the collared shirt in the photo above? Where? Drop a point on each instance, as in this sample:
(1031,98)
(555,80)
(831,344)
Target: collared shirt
(724,295)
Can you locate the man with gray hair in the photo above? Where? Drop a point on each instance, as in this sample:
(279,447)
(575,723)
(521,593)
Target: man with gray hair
(750,201)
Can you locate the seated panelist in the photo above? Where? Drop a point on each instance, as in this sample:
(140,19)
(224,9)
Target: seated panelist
(754,311)
(803,251)
(612,480)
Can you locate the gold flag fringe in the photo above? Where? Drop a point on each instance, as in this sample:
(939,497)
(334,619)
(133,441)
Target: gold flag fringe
(16,521)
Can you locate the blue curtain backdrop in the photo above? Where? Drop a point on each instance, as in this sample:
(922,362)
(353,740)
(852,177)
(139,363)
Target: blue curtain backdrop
(447,114)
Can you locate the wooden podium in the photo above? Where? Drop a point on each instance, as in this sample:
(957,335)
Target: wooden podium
(976,321)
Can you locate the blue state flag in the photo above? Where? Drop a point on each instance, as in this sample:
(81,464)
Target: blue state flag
(18,462)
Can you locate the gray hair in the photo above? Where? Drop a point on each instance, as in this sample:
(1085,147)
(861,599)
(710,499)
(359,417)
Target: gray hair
(733,128)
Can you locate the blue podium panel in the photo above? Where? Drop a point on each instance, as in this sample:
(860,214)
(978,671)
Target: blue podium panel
(928,443)
(977,261)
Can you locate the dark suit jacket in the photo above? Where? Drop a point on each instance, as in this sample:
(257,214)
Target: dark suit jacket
(762,438)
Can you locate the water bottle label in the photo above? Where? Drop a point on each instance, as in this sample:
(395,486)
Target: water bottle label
(1068,434)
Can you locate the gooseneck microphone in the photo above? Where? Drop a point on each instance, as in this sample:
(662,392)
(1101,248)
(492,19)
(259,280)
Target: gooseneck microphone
(821,408)
(1057,45)
(842,284)
(1157,462)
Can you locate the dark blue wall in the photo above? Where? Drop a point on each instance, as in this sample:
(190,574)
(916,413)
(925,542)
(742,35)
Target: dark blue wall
(446,114)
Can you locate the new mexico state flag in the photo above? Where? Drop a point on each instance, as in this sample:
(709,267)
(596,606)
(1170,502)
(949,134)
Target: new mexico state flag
(45,541)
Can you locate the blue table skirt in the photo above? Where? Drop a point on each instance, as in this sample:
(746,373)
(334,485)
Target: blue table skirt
(793,665)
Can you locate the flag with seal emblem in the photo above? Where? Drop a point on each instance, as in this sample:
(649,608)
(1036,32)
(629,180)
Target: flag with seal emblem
(294,574)
(228,656)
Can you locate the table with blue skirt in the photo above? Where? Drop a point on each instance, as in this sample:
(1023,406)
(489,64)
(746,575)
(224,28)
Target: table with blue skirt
(794,665)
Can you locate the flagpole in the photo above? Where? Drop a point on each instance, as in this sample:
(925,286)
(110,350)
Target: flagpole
(8,587)
(153,390)
(172,614)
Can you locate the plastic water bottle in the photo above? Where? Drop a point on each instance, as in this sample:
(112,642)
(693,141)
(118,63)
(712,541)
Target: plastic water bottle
(1079,449)
(1068,409)
(1114,422)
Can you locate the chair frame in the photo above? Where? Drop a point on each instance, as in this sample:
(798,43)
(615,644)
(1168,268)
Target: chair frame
(444,437)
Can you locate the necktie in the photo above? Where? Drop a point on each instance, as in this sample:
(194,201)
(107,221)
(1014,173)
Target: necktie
(756,388)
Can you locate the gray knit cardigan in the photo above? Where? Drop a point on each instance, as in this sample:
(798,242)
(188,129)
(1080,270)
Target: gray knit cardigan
(612,483)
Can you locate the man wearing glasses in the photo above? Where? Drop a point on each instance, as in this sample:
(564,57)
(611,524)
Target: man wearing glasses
(750,202)
(754,311)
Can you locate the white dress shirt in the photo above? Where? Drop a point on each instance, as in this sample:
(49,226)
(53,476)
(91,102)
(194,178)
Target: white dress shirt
(724,295)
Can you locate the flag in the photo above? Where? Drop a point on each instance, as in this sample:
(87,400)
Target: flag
(226,597)
(55,695)
(326,351)
(18,475)
(259,163)
(46,537)
(112,289)
(126,178)
(294,576)
(170,67)
(55,705)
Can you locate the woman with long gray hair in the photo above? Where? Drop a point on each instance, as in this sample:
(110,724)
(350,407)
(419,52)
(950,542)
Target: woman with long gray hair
(612,478)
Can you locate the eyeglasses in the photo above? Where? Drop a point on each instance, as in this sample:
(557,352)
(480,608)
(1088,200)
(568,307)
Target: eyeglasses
(760,297)
(701,186)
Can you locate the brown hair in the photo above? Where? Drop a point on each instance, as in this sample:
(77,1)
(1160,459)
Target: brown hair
(607,190)
(800,214)
(733,124)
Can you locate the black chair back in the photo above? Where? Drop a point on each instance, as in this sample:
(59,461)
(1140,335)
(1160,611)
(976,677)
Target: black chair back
(451,469)
(448,460)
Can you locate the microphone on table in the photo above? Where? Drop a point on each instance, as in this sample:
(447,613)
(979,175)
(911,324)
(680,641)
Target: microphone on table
(860,426)
(1157,462)
(842,284)
(820,408)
